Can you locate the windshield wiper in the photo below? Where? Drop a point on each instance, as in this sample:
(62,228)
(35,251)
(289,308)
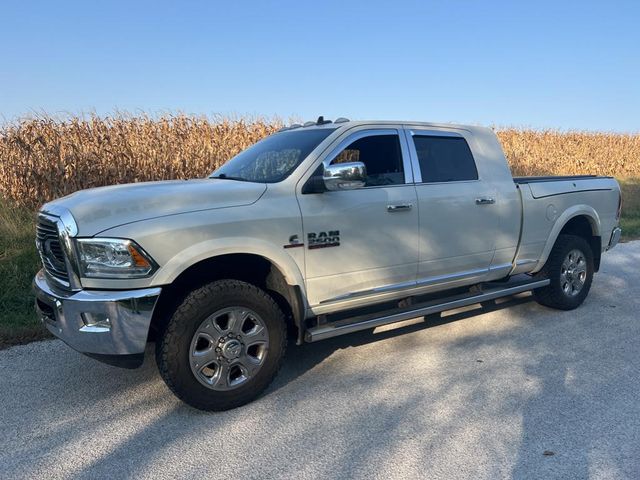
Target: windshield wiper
(224,176)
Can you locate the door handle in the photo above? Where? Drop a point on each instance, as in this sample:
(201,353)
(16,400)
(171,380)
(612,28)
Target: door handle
(399,208)
(485,201)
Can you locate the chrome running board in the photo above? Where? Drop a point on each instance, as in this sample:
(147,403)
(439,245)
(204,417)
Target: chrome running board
(362,322)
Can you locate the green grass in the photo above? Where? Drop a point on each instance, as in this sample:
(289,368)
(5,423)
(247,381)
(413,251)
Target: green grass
(630,220)
(19,262)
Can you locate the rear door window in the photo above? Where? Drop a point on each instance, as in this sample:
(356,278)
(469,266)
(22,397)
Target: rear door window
(444,159)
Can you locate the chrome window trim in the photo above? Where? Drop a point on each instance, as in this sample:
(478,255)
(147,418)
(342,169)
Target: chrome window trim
(371,132)
(447,183)
(432,133)
(410,132)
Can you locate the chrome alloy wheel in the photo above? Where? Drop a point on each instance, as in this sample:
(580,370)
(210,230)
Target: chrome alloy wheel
(228,348)
(573,273)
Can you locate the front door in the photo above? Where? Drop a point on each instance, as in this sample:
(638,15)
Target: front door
(364,241)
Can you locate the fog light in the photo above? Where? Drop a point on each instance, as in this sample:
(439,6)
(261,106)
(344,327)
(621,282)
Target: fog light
(95,322)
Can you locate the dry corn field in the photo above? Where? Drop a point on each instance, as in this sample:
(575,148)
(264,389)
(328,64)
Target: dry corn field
(45,158)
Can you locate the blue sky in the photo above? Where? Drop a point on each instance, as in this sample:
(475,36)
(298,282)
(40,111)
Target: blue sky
(569,65)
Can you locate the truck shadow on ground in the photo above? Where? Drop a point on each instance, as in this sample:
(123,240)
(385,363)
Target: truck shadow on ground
(303,358)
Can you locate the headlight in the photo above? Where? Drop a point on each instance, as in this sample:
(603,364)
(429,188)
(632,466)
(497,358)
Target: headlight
(113,258)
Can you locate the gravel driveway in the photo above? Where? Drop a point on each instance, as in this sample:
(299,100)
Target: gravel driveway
(516,390)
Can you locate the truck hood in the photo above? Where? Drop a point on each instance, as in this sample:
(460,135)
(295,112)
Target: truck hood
(98,209)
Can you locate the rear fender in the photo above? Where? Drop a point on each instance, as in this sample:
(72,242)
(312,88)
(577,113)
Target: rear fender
(568,214)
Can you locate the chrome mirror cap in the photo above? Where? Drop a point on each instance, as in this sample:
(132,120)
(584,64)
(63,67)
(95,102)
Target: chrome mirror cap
(345,176)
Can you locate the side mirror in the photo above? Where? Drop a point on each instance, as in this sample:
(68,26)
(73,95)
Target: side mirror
(345,176)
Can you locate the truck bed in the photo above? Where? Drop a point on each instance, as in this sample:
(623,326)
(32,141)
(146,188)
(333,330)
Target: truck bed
(541,187)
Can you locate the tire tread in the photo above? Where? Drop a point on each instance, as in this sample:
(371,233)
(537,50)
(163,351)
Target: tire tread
(552,295)
(167,355)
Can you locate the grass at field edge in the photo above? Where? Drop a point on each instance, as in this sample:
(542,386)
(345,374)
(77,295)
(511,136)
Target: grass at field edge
(18,264)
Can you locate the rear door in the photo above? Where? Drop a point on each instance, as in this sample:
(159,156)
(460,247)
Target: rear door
(365,241)
(457,209)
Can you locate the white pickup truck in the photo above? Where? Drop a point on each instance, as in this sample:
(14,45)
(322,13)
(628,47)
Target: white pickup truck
(318,230)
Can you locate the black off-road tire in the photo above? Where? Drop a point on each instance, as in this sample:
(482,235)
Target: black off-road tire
(173,346)
(553,295)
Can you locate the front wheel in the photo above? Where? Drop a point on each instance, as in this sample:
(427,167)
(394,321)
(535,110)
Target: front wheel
(570,269)
(223,345)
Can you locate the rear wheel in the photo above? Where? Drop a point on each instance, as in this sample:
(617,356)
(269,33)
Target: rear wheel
(570,269)
(223,345)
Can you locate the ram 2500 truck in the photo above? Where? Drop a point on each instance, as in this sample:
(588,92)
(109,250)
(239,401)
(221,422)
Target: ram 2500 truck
(318,230)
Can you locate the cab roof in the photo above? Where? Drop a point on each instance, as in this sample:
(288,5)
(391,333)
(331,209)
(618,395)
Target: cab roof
(346,124)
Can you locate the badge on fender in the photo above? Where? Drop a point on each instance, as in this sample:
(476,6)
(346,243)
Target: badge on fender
(324,239)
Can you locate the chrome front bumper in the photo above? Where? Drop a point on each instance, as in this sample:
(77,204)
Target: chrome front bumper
(111,326)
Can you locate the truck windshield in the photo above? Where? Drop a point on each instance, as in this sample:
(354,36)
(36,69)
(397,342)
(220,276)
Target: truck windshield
(273,159)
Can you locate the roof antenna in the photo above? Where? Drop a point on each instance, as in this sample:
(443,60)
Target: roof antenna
(322,121)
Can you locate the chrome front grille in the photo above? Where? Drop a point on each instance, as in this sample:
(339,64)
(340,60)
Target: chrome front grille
(50,249)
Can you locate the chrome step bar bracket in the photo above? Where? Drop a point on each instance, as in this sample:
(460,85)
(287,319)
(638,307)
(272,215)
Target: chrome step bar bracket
(364,322)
